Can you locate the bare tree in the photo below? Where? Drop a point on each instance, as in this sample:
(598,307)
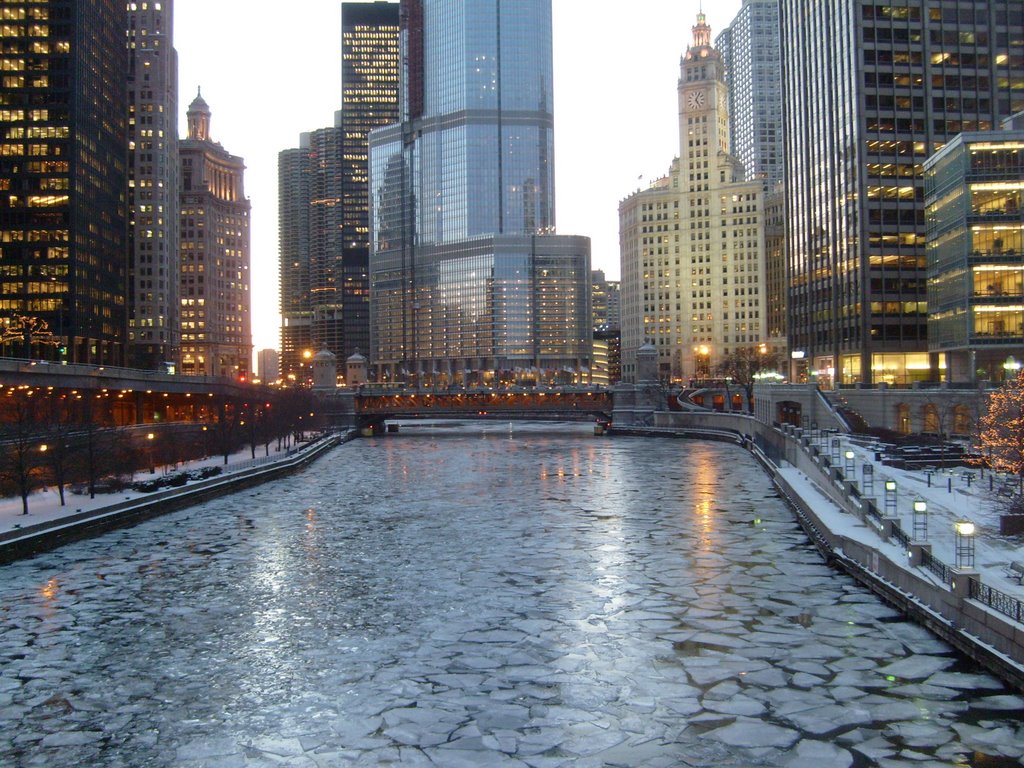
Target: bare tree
(744,364)
(21,433)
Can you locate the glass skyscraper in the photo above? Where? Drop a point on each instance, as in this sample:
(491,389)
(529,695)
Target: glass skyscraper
(468,281)
(973,193)
(750,50)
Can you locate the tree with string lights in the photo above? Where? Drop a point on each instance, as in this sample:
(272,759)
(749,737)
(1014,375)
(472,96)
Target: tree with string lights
(1001,429)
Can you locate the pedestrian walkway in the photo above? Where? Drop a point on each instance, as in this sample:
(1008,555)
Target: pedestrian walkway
(44,505)
(959,493)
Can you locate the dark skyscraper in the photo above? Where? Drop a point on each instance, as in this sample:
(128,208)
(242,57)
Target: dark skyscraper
(63,252)
(369,99)
(870,92)
(323,203)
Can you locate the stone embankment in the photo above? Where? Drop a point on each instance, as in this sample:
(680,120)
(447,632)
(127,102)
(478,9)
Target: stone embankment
(41,537)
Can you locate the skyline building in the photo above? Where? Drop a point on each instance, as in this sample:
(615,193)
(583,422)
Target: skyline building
(468,282)
(605,302)
(975,228)
(154,332)
(268,365)
(870,92)
(369,99)
(310,242)
(323,205)
(63,217)
(750,50)
(692,244)
(216,329)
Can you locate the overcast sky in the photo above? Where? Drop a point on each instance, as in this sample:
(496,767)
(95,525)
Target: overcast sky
(269,75)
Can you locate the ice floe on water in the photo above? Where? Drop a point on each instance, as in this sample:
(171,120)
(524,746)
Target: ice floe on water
(479,596)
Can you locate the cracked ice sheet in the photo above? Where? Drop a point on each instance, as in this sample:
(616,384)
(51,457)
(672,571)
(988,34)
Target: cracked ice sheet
(348,627)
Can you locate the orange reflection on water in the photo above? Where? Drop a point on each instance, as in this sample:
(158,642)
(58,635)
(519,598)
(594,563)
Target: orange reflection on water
(49,590)
(705,485)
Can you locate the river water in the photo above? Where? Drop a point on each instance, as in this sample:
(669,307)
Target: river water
(481,594)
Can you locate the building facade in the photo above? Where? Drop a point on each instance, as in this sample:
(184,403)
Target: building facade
(975,229)
(605,301)
(369,100)
(692,244)
(268,365)
(154,275)
(870,91)
(63,215)
(310,241)
(323,199)
(216,328)
(468,283)
(750,50)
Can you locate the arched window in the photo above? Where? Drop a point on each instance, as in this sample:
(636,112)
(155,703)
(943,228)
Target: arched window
(930,417)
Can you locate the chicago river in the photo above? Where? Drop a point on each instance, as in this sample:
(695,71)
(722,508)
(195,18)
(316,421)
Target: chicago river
(481,594)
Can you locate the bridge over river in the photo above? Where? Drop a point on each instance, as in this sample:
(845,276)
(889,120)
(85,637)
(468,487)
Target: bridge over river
(372,406)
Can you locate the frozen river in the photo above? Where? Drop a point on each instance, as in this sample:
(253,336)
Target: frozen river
(481,595)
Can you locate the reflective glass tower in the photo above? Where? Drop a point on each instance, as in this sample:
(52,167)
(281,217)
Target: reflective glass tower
(750,50)
(468,282)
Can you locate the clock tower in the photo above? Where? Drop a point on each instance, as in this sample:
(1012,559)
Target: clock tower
(693,242)
(703,93)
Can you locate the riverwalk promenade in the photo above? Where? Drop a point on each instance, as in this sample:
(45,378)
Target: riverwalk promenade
(49,523)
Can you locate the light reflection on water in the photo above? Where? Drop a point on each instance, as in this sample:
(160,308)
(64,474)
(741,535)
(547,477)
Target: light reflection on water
(533,594)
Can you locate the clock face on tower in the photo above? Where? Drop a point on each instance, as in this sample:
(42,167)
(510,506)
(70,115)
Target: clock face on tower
(695,100)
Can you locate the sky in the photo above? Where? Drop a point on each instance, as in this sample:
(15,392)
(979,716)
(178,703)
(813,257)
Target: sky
(269,76)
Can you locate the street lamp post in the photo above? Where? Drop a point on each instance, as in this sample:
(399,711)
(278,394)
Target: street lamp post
(920,520)
(149,443)
(964,548)
(890,498)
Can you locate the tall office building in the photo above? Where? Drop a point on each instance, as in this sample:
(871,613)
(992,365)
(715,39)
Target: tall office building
(216,327)
(323,193)
(692,244)
(268,365)
(975,224)
(870,91)
(467,283)
(369,99)
(310,241)
(604,299)
(64,113)
(153,327)
(750,50)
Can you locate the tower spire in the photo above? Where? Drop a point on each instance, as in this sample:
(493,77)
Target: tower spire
(199,118)
(701,31)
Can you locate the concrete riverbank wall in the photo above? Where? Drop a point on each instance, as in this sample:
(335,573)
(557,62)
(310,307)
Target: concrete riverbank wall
(42,537)
(851,535)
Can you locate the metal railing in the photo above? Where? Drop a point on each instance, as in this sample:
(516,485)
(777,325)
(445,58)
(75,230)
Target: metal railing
(901,536)
(936,566)
(996,600)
